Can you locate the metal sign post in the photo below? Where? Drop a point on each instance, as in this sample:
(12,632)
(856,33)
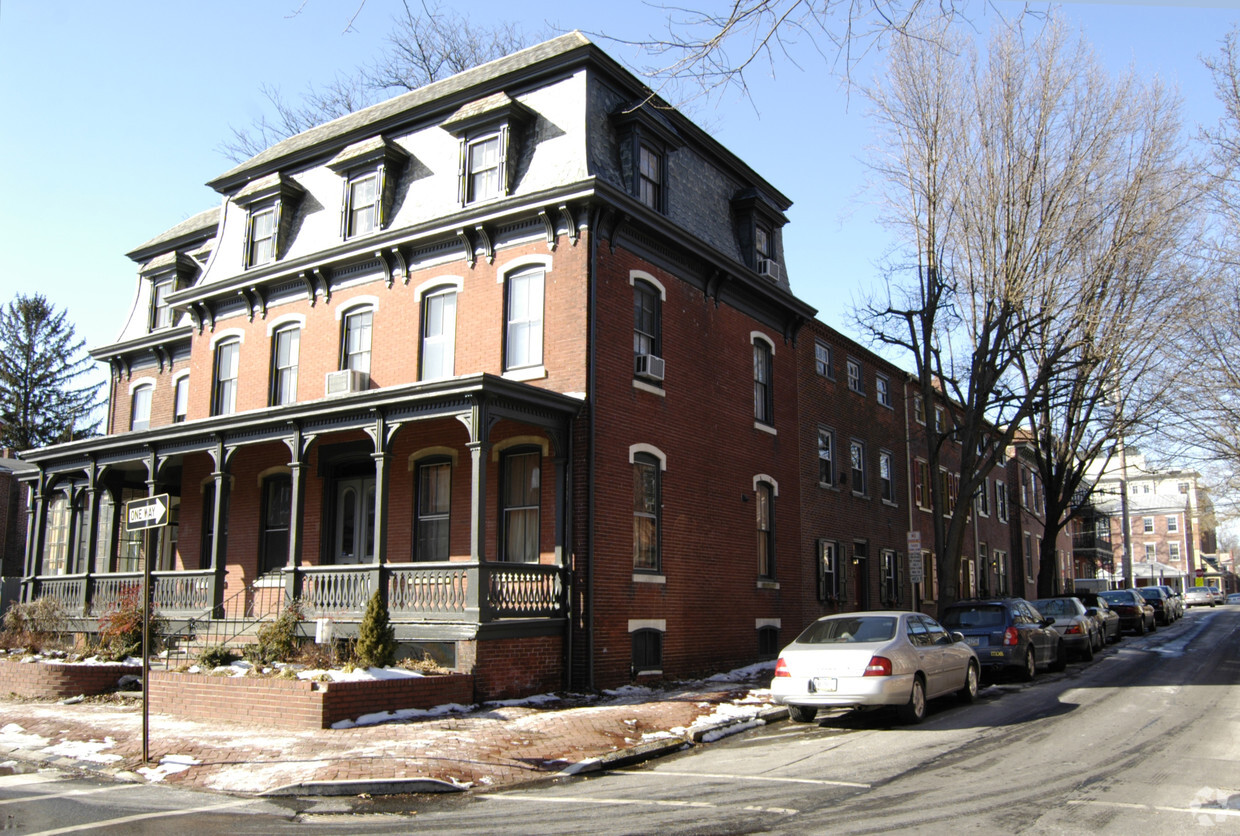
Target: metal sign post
(147,515)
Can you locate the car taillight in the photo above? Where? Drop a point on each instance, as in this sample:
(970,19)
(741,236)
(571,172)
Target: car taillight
(781,667)
(1075,629)
(1011,636)
(879,666)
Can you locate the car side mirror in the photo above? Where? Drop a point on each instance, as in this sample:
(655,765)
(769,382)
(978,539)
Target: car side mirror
(957,637)
(1092,611)
(1047,622)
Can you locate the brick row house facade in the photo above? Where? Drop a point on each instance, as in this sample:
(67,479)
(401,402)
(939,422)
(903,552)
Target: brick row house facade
(518,351)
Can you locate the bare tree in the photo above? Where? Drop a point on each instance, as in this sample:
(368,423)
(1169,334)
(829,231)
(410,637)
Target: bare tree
(714,50)
(993,168)
(426,43)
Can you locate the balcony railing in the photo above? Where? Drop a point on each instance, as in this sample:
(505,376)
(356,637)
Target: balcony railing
(448,591)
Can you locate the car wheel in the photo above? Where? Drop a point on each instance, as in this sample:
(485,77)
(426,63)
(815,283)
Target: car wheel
(1030,669)
(1088,653)
(969,692)
(1119,635)
(1141,626)
(915,709)
(802,713)
(1153,625)
(1061,658)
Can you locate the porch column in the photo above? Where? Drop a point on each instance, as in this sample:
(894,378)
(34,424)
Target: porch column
(218,555)
(560,463)
(477,421)
(296,444)
(34,542)
(90,524)
(381,434)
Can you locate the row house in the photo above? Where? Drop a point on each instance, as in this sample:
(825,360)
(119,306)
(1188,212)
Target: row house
(516,351)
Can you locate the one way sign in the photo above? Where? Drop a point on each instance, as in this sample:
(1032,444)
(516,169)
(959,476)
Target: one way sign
(151,512)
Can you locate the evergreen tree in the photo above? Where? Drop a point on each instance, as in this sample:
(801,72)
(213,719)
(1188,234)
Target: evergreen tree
(43,397)
(376,638)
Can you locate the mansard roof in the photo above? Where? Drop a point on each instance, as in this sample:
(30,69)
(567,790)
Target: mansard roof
(187,232)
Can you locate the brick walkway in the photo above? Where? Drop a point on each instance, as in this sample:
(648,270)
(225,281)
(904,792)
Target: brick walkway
(494,746)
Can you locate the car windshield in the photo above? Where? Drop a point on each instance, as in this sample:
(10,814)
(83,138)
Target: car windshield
(877,628)
(1150,594)
(1116,596)
(975,616)
(1056,606)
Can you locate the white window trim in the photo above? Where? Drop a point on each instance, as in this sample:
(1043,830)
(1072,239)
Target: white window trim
(647,387)
(526,373)
(176,378)
(140,382)
(440,283)
(759,623)
(642,275)
(647,577)
(770,480)
(766,428)
(227,334)
(889,404)
(521,262)
(650,450)
(636,624)
(427,452)
(286,319)
(754,336)
(348,306)
(521,441)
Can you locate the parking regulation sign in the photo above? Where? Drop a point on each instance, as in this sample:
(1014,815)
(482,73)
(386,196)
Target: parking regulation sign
(150,512)
(916,572)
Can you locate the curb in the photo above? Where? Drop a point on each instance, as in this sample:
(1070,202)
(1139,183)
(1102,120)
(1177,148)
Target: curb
(391,786)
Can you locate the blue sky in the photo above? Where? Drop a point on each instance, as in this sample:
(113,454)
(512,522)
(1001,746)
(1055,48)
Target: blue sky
(112,115)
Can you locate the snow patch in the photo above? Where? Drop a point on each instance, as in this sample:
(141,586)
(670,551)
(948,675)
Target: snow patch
(168,765)
(91,751)
(15,736)
(404,714)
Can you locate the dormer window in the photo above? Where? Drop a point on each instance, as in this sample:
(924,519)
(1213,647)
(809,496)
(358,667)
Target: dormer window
(488,130)
(167,274)
(646,140)
(270,202)
(161,311)
(371,170)
(758,221)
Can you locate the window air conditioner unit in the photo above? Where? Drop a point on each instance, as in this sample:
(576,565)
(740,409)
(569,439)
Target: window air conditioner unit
(649,367)
(770,268)
(345,381)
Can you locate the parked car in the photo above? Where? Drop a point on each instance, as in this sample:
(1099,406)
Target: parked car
(1177,601)
(1008,635)
(1078,630)
(1198,596)
(1164,608)
(1101,612)
(1219,597)
(1234,598)
(1135,613)
(883,658)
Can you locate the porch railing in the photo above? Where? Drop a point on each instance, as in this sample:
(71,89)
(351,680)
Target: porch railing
(445,590)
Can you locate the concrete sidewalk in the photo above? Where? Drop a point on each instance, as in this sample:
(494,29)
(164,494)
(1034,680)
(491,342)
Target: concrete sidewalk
(493,745)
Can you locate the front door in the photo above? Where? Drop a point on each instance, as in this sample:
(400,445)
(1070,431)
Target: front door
(355,520)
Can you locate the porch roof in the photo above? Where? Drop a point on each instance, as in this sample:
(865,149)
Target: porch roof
(397,405)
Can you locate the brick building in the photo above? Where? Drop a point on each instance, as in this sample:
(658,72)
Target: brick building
(516,350)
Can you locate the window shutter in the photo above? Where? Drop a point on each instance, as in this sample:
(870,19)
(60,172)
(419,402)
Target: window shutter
(381,198)
(277,231)
(900,576)
(249,234)
(461,172)
(344,209)
(841,572)
(503,161)
(823,592)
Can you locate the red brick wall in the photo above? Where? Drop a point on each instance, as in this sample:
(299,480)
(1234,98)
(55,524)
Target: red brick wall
(297,704)
(53,680)
(509,668)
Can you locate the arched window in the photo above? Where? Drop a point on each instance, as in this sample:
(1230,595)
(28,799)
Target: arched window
(523,317)
(56,536)
(433,504)
(439,333)
(140,411)
(285,348)
(646,513)
(766,530)
(355,340)
(647,651)
(763,393)
(224,392)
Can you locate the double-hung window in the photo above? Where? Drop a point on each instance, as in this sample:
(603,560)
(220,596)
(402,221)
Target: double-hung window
(650,177)
(1173,524)
(224,394)
(276,516)
(829,574)
(140,412)
(646,513)
(270,202)
(647,337)
(482,169)
(262,228)
(523,337)
(180,399)
(161,311)
(355,346)
(856,454)
(519,512)
(822,360)
(439,334)
(887,476)
(826,456)
(434,495)
(921,484)
(1173,552)
(882,389)
(763,397)
(285,347)
(766,530)
(362,209)
(854,376)
(1147,525)
(891,578)
(983,498)
(1001,501)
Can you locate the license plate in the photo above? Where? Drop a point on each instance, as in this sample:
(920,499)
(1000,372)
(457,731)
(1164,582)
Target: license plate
(972,641)
(824,684)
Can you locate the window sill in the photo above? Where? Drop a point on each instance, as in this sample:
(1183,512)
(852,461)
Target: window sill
(828,486)
(528,373)
(767,585)
(891,504)
(639,577)
(861,494)
(649,387)
(766,428)
(655,672)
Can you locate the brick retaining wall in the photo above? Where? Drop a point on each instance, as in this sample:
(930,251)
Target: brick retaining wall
(298,704)
(57,680)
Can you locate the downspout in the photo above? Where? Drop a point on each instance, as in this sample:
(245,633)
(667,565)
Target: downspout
(591,393)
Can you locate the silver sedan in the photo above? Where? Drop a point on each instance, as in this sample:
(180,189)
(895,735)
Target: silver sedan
(884,658)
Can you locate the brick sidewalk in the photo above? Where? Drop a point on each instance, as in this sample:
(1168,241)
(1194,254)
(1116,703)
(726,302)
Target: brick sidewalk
(494,746)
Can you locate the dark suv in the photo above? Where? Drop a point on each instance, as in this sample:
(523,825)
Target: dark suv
(1007,634)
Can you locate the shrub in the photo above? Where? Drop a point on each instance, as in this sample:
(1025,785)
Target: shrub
(426,665)
(376,638)
(278,641)
(217,656)
(35,625)
(120,628)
